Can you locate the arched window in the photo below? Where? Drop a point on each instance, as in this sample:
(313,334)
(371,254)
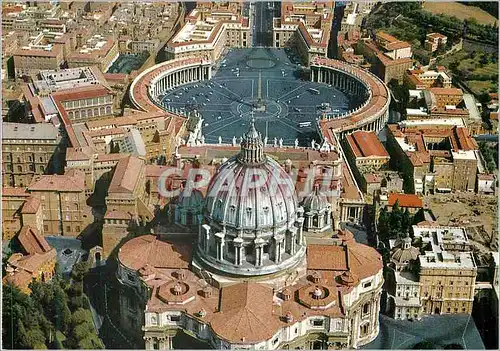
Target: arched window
(366,308)
(364,329)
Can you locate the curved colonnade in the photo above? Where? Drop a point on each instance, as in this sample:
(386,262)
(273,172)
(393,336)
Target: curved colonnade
(153,82)
(372,115)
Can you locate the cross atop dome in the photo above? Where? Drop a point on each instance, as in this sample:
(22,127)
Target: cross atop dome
(252,147)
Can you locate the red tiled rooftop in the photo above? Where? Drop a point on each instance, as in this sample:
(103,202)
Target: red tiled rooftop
(405,200)
(149,250)
(366,144)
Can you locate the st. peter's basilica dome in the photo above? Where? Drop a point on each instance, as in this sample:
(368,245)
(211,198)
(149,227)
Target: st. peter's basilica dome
(251,215)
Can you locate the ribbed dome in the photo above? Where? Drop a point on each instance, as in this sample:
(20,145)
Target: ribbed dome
(405,253)
(270,198)
(189,206)
(315,201)
(251,215)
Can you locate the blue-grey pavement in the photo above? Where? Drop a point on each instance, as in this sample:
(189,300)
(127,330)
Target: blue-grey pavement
(226,102)
(69,252)
(440,330)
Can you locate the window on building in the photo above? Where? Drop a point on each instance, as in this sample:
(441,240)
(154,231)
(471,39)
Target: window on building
(366,308)
(175,318)
(317,322)
(68,228)
(367,285)
(46,228)
(364,328)
(19,168)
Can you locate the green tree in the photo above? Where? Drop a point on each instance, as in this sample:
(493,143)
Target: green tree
(395,221)
(406,221)
(79,270)
(383,221)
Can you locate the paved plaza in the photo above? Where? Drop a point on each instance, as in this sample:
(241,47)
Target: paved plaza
(440,330)
(248,78)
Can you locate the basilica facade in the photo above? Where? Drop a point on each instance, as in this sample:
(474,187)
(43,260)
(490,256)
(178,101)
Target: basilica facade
(251,272)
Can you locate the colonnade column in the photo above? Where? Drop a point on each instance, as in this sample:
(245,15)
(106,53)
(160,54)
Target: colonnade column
(220,246)
(238,251)
(292,237)
(278,248)
(258,244)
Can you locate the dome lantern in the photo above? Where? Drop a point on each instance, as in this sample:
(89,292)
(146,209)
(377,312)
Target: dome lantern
(252,147)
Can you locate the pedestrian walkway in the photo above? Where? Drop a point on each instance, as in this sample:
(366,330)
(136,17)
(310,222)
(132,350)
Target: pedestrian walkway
(470,103)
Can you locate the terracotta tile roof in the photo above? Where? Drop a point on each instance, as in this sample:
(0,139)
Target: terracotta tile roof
(63,183)
(486,177)
(436,36)
(115,214)
(15,192)
(149,250)
(31,205)
(106,131)
(79,154)
(372,178)
(398,45)
(111,157)
(154,171)
(447,91)
(33,262)
(386,37)
(21,279)
(126,175)
(85,92)
(245,313)
(359,259)
(366,144)
(326,257)
(32,242)
(405,200)
(116,77)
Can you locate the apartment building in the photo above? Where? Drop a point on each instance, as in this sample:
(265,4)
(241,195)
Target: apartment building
(420,79)
(209,28)
(447,270)
(127,201)
(434,156)
(28,150)
(390,57)
(440,98)
(97,50)
(63,200)
(304,26)
(82,93)
(439,278)
(12,202)
(434,40)
(35,261)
